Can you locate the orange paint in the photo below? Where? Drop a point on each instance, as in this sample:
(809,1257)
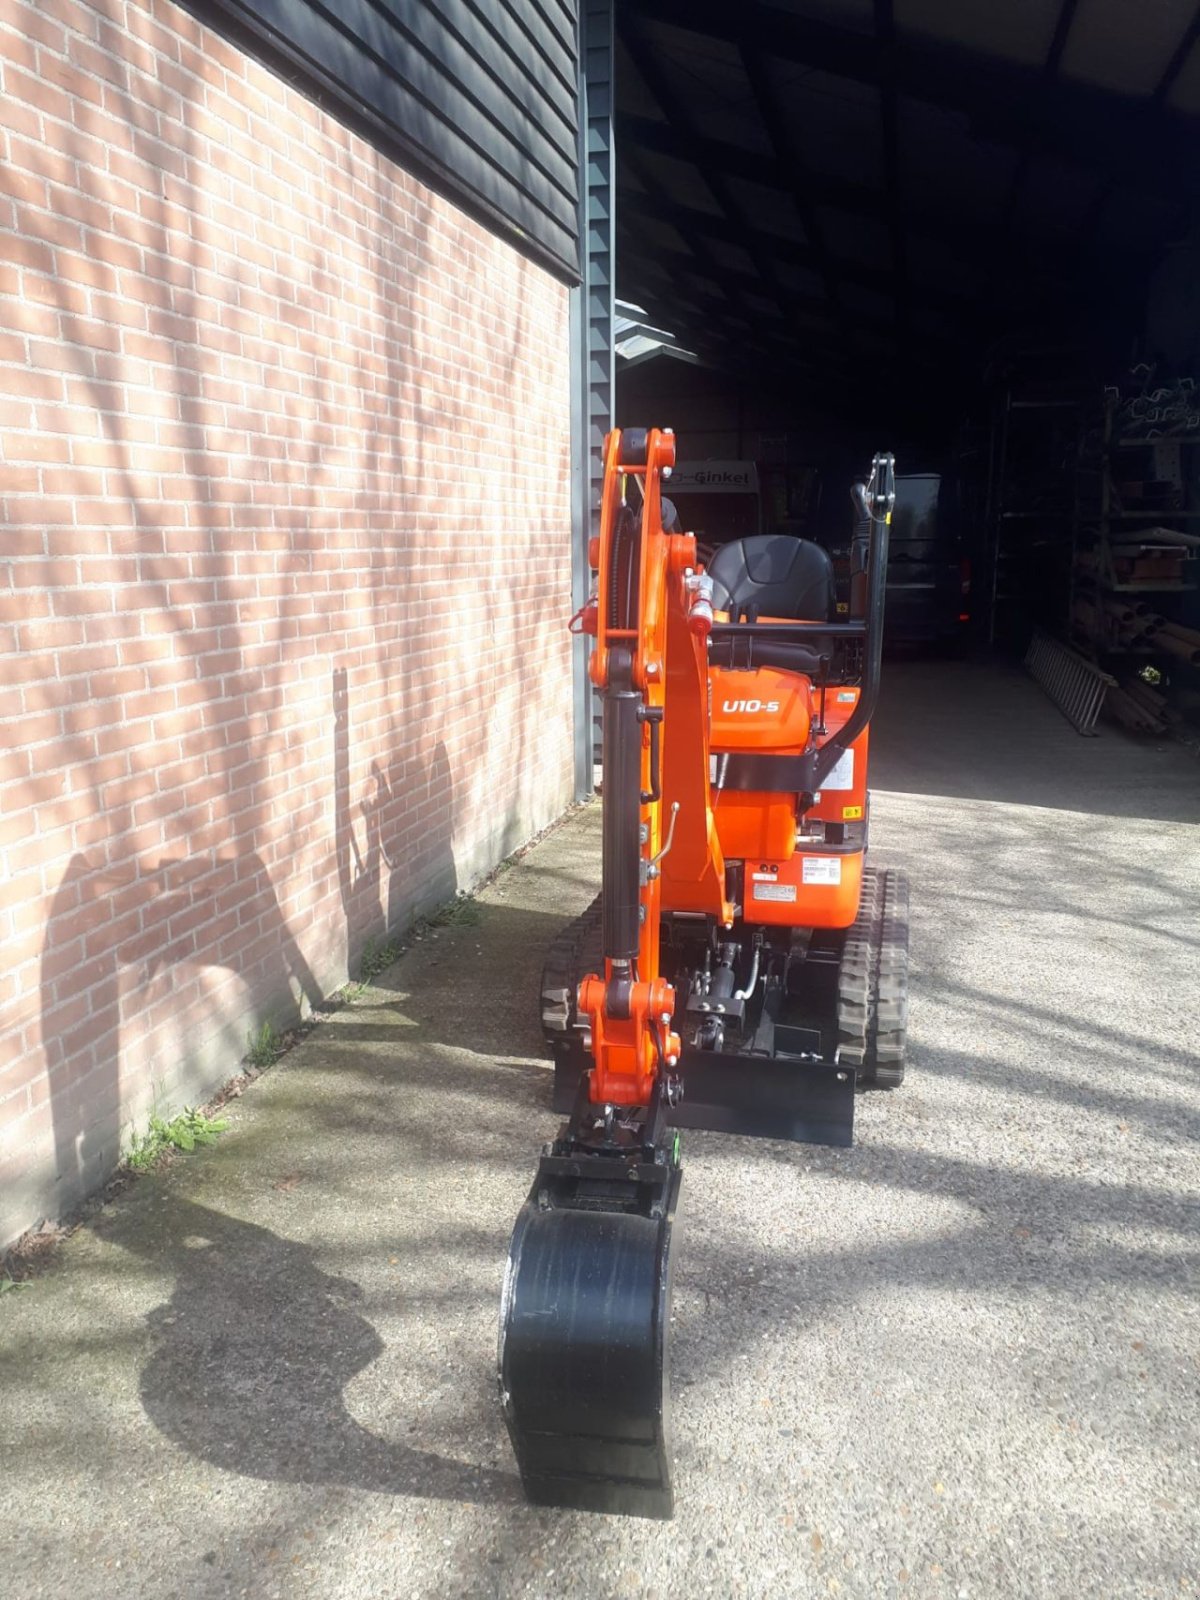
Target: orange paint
(765,710)
(814,889)
(707,714)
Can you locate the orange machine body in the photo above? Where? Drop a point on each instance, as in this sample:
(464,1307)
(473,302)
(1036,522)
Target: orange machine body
(790,880)
(801,866)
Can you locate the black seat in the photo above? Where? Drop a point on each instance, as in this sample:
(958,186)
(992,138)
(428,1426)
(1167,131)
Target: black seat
(777,575)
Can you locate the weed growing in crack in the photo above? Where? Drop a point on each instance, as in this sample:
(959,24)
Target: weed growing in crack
(187,1131)
(262,1047)
(376,957)
(462,912)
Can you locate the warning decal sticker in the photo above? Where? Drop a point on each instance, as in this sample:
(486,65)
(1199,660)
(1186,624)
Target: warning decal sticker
(821,869)
(775,891)
(842,774)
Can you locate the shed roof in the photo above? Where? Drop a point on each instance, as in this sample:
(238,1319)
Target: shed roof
(815,184)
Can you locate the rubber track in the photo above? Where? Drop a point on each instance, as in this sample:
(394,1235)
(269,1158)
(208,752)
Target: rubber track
(873,982)
(577,950)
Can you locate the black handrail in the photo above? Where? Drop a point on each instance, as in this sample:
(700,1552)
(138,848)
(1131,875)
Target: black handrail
(781,630)
(876,500)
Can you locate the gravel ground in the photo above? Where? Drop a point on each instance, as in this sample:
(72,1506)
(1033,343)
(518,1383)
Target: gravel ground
(959,1360)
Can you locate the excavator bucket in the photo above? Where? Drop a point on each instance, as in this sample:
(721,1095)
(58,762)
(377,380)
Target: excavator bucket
(584,1321)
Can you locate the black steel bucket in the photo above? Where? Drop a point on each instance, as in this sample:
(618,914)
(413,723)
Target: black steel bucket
(584,1321)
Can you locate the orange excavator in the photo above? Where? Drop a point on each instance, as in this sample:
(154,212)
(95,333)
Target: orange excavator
(743,969)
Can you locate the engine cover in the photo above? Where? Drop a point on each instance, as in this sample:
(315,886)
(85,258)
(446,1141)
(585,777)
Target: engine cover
(764,710)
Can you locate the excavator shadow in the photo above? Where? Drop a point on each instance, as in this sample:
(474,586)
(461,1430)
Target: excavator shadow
(254,1357)
(251,1357)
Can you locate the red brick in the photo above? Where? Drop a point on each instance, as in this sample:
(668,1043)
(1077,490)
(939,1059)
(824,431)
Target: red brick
(18,184)
(54,293)
(72,80)
(96,62)
(33,385)
(76,15)
(116,251)
(67,419)
(83,208)
(100,337)
(26,252)
(206,517)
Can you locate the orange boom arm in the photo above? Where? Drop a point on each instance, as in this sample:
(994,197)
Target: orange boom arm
(652,619)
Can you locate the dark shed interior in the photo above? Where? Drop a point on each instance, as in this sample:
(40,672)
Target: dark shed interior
(966,232)
(877,197)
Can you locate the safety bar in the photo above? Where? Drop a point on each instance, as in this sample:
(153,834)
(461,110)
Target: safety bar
(877,500)
(782,630)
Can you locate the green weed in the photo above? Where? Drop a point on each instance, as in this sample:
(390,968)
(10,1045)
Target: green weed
(376,957)
(461,912)
(262,1046)
(187,1131)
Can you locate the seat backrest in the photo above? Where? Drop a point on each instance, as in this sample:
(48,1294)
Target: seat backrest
(779,575)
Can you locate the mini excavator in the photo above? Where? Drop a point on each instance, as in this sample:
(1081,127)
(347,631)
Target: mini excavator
(742,969)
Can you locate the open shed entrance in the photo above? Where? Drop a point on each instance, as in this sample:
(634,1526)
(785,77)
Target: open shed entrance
(963,232)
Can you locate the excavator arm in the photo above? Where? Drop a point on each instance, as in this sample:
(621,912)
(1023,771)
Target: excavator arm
(652,617)
(586,1301)
(585,1306)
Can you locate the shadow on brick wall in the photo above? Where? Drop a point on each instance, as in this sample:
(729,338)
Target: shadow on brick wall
(360,429)
(133,927)
(407,822)
(85,960)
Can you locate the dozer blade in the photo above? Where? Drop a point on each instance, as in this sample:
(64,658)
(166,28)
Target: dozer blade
(784,1096)
(768,1097)
(584,1319)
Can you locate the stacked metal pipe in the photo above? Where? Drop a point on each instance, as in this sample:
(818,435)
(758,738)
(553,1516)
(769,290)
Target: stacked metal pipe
(1121,622)
(1178,641)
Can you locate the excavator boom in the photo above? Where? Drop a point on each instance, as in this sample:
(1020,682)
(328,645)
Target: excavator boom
(705,885)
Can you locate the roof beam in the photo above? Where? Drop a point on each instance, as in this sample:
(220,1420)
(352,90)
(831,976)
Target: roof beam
(711,316)
(737,162)
(674,108)
(687,218)
(730,280)
(737,350)
(721,311)
(1003,101)
(1178,61)
(1058,43)
(654,202)
(1092,217)
(794,165)
(840,194)
(889,117)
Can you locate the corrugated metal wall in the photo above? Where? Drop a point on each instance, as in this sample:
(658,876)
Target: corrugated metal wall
(479,95)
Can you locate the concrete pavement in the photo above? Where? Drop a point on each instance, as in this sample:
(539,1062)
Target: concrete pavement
(959,1360)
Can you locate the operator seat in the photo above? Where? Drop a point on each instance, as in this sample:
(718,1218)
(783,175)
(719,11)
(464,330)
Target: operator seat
(773,575)
(777,575)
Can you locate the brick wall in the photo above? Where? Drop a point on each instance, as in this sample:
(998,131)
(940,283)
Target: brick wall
(284,457)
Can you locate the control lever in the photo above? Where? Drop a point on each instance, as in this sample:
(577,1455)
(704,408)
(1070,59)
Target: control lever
(651,866)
